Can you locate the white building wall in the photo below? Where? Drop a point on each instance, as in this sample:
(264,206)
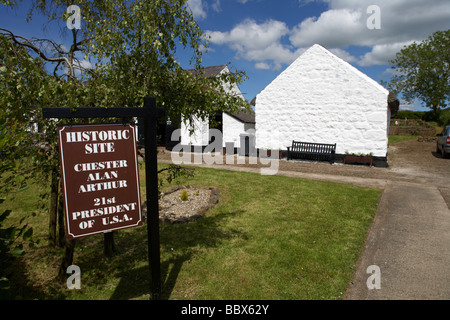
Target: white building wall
(232,128)
(197,135)
(321,98)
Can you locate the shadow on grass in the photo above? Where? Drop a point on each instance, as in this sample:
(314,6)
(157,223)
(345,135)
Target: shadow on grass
(23,286)
(179,243)
(137,282)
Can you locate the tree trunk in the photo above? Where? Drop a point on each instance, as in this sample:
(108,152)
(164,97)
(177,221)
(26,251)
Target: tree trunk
(436,111)
(67,260)
(53,208)
(109,246)
(61,226)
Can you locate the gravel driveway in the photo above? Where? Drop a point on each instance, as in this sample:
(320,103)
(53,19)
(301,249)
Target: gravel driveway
(409,161)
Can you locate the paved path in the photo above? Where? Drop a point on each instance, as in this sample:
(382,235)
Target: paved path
(409,240)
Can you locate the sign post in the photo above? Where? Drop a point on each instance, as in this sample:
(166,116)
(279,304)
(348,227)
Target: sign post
(150,115)
(100,178)
(151,177)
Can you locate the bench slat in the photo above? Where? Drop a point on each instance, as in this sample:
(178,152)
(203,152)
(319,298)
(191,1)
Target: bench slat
(311,150)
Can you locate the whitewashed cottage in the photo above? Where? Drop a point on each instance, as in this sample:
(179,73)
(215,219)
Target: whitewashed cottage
(321,98)
(232,125)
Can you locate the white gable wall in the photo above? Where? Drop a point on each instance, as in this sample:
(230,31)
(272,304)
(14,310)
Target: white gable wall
(320,98)
(233,128)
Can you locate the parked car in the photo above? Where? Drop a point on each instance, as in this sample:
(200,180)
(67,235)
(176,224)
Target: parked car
(443,142)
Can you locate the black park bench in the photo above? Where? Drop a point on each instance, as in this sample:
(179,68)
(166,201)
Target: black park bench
(311,151)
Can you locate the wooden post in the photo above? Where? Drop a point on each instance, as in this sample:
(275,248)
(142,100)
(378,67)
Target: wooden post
(151,178)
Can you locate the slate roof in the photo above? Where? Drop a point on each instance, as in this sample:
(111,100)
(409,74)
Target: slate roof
(210,72)
(243,116)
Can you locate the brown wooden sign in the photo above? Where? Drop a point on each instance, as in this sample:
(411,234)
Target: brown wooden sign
(100,178)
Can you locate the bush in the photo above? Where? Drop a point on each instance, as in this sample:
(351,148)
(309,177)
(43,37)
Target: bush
(184,195)
(430,116)
(408,115)
(444,117)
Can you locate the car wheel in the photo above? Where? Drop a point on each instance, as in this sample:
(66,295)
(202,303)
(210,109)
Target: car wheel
(443,153)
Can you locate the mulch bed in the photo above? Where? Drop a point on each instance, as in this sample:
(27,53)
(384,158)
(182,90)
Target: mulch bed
(172,209)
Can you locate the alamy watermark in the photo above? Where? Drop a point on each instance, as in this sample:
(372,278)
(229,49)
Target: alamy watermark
(213,153)
(74,281)
(74,20)
(374,21)
(374,280)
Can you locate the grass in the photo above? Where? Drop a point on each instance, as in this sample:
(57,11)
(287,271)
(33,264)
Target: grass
(270,237)
(400,138)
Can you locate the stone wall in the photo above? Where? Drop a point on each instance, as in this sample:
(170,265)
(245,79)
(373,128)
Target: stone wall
(321,98)
(415,127)
(415,131)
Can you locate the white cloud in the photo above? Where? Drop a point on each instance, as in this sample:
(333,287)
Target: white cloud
(381,54)
(216,6)
(250,35)
(334,28)
(86,64)
(277,53)
(257,42)
(412,106)
(198,9)
(79,66)
(344,24)
(262,43)
(344,55)
(263,66)
(391,72)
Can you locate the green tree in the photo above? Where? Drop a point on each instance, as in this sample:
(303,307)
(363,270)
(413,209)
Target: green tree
(27,83)
(423,71)
(132,46)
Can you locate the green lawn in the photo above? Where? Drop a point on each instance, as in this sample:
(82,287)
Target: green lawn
(269,237)
(400,138)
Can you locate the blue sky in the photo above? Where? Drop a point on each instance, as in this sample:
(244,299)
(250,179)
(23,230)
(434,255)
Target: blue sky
(262,37)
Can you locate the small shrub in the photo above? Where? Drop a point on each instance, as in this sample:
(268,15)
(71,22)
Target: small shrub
(184,195)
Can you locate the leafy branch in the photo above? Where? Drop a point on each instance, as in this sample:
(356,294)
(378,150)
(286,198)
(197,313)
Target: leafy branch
(24,42)
(174,172)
